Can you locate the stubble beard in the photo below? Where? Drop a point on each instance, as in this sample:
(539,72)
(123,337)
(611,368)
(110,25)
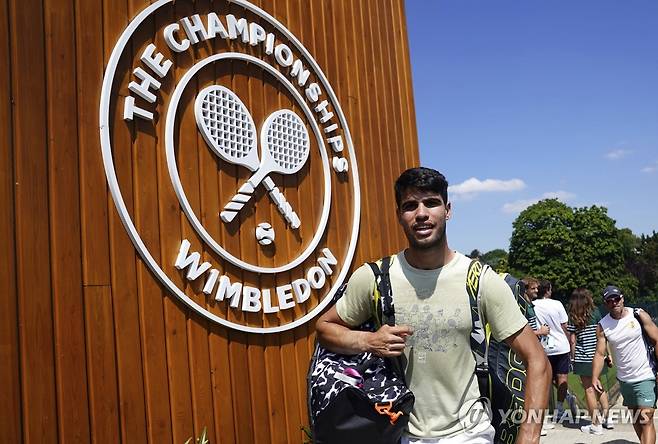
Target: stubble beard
(425,244)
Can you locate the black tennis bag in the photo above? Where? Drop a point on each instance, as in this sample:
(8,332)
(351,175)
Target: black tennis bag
(360,398)
(501,373)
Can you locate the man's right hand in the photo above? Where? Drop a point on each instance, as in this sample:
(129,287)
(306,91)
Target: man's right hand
(544,330)
(388,341)
(596,383)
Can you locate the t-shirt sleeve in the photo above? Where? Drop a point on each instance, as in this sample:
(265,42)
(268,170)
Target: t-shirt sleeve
(355,307)
(499,306)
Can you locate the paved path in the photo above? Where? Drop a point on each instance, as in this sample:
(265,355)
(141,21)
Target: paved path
(569,433)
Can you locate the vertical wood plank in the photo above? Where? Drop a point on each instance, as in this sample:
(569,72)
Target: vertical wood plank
(101,365)
(73,422)
(93,187)
(32,237)
(402,48)
(10,383)
(124,264)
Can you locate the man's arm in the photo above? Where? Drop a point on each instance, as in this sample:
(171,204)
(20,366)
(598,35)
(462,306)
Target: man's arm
(599,357)
(336,335)
(538,380)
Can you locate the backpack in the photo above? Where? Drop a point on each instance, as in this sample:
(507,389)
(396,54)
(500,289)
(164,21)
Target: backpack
(499,371)
(651,346)
(360,398)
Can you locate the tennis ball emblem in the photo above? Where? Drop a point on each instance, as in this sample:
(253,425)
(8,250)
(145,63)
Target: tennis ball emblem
(264,233)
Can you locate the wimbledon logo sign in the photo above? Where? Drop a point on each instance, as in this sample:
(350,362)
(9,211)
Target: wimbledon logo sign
(230,163)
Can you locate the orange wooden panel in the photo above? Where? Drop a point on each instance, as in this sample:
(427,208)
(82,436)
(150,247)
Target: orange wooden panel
(156,371)
(73,423)
(10,384)
(93,187)
(125,278)
(32,237)
(101,366)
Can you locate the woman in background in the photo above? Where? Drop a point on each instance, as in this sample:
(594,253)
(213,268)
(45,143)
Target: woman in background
(583,318)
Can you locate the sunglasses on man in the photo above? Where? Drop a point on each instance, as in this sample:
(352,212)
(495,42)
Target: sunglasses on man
(613,300)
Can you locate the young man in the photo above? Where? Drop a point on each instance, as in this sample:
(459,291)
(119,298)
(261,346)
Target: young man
(432,310)
(531,290)
(556,345)
(621,331)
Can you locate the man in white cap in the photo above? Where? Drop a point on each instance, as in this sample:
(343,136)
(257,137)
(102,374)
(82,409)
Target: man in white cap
(622,330)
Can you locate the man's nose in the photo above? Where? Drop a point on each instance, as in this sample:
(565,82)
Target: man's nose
(421,212)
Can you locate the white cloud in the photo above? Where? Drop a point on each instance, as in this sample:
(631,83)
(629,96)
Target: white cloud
(651,168)
(617,154)
(472,187)
(520,205)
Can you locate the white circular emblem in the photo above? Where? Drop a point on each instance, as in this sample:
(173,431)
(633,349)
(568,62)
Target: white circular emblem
(244,126)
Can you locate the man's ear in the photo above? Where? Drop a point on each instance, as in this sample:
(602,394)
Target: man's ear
(448,210)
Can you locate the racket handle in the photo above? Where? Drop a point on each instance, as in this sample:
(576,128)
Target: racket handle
(232,208)
(281,203)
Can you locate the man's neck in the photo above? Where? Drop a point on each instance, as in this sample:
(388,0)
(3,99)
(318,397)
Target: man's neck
(621,314)
(429,259)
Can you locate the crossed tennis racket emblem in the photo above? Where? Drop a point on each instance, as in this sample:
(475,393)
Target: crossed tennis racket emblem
(229,130)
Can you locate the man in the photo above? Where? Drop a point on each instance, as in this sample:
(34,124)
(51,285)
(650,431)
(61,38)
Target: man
(428,282)
(621,331)
(531,290)
(556,345)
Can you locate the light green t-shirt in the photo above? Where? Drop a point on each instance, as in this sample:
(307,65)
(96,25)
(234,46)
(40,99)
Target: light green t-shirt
(441,365)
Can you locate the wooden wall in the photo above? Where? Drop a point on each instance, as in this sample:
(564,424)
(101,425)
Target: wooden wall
(92,348)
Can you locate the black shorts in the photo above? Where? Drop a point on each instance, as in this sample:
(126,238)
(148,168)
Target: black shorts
(559,364)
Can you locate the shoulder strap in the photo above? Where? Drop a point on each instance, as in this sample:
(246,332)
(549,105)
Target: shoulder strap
(478,337)
(383,309)
(636,313)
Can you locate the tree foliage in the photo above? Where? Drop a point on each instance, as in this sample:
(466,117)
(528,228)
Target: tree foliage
(494,258)
(647,266)
(571,247)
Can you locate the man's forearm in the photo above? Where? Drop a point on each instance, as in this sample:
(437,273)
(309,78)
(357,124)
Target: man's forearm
(340,339)
(538,381)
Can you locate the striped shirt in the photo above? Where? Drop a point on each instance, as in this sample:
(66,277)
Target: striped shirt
(586,337)
(532,317)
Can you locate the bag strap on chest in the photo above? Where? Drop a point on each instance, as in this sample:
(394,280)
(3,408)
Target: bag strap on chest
(478,338)
(383,309)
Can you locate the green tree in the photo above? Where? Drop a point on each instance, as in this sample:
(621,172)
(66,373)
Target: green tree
(570,247)
(494,257)
(647,267)
(475,254)
(542,244)
(600,252)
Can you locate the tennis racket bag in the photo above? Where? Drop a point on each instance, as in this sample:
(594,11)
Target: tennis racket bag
(500,372)
(360,398)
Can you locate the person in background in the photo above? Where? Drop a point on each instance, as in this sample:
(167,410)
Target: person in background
(556,346)
(622,332)
(531,290)
(584,316)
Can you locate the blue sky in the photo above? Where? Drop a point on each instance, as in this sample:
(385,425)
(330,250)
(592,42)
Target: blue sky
(525,99)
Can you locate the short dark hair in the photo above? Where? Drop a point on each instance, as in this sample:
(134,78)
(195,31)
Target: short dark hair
(421,178)
(544,286)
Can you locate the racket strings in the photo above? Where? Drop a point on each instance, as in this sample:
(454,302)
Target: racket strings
(287,141)
(228,123)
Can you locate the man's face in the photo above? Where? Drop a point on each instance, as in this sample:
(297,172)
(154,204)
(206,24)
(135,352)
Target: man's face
(532,291)
(423,215)
(615,305)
